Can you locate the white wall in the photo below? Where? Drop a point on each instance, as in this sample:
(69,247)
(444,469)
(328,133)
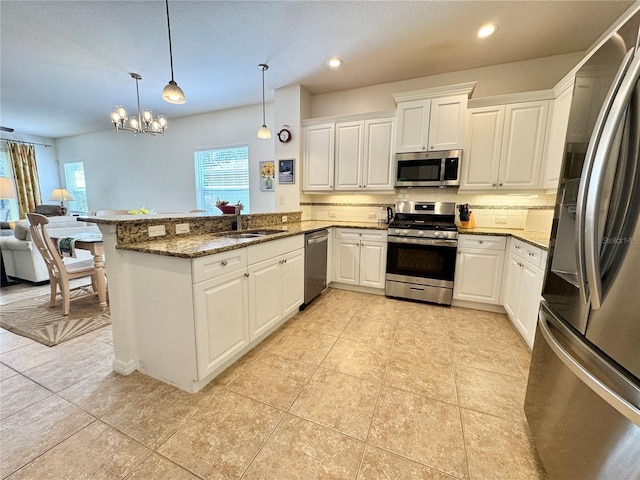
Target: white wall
(531,75)
(124,171)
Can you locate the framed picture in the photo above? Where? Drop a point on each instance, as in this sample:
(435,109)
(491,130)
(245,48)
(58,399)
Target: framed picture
(286,172)
(267,176)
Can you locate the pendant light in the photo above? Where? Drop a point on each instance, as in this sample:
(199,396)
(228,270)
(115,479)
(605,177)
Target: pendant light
(263,132)
(172,93)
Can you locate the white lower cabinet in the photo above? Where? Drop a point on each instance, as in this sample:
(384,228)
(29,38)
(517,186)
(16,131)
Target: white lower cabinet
(194,317)
(360,257)
(276,290)
(479,267)
(221,320)
(524,275)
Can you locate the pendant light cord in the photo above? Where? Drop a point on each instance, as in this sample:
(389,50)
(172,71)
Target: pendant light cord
(263,117)
(169,30)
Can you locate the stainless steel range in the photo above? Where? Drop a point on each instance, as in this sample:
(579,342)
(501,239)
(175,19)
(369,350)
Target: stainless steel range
(421,252)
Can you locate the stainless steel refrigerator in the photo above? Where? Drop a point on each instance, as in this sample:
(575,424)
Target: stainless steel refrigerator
(583,394)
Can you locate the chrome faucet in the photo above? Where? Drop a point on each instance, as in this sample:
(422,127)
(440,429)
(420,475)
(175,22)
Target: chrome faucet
(238,220)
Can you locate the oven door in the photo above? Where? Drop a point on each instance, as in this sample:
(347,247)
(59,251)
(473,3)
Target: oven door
(422,261)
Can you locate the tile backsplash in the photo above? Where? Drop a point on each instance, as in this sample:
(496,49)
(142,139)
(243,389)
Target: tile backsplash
(530,212)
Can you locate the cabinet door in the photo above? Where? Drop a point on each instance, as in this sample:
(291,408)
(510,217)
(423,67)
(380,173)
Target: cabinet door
(556,136)
(522,145)
(221,320)
(531,280)
(482,144)
(479,275)
(447,122)
(319,157)
(349,155)
(264,296)
(373,258)
(378,172)
(347,259)
(511,284)
(292,282)
(413,125)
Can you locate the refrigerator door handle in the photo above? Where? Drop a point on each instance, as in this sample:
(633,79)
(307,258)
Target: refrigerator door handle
(594,191)
(585,177)
(612,398)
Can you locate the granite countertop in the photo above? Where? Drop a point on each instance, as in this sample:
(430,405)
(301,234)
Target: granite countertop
(537,239)
(192,246)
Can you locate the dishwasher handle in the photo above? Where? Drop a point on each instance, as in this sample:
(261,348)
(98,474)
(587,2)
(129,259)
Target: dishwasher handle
(317,238)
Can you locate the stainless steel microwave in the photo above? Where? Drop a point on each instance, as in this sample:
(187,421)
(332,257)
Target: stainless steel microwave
(428,169)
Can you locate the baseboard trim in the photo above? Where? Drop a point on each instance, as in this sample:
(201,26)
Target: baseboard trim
(124,368)
(487,307)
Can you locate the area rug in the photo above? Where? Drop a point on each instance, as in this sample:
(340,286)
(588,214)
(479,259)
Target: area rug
(35,320)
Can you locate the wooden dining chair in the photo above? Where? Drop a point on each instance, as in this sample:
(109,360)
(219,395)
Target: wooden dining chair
(60,273)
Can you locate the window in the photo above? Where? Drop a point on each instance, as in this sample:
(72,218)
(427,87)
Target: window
(74,178)
(9,211)
(222,173)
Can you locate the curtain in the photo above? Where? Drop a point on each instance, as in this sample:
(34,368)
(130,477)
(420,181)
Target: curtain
(25,169)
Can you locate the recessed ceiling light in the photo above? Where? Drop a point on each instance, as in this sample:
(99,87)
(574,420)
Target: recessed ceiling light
(486,31)
(334,62)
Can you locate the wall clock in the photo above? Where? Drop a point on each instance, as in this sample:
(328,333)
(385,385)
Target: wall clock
(284,135)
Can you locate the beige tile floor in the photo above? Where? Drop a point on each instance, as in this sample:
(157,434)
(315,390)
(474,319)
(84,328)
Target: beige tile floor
(355,387)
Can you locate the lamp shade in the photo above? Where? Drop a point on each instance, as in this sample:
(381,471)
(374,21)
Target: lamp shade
(60,195)
(172,93)
(264,132)
(7,189)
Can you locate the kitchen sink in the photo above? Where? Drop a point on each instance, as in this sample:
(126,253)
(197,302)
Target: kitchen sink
(239,235)
(250,233)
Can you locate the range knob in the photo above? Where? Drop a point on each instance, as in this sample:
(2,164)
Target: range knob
(405,232)
(438,234)
(396,232)
(420,233)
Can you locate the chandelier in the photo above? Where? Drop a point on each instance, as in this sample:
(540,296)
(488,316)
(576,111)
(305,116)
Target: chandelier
(143,122)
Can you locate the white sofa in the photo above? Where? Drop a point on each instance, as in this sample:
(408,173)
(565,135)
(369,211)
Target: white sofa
(21,258)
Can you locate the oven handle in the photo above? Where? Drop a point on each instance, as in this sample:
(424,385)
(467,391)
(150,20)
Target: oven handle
(424,241)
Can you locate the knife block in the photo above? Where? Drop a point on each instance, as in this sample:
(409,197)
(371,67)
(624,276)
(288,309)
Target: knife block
(471,223)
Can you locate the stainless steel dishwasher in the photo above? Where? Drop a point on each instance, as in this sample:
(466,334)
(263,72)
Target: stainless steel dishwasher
(315,265)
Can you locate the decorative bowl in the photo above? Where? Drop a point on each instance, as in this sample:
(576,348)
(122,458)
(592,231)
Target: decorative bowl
(227,208)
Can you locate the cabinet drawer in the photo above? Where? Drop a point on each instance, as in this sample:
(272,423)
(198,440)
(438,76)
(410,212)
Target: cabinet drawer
(527,252)
(205,268)
(274,248)
(482,242)
(361,234)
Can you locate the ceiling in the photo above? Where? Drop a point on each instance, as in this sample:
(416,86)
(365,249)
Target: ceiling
(65,64)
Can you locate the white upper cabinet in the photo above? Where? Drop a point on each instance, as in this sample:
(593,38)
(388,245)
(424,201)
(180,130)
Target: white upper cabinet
(504,146)
(378,170)
(432,119)
(431,124)
(319,154)
(559,109)
(413,125)
(525,127)
(446,126)
(350,155)
(483,141)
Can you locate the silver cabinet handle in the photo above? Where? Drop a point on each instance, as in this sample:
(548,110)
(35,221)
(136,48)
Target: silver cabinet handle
(594,192)
(603,391)
(246,274)
(585,178)
(223,263)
